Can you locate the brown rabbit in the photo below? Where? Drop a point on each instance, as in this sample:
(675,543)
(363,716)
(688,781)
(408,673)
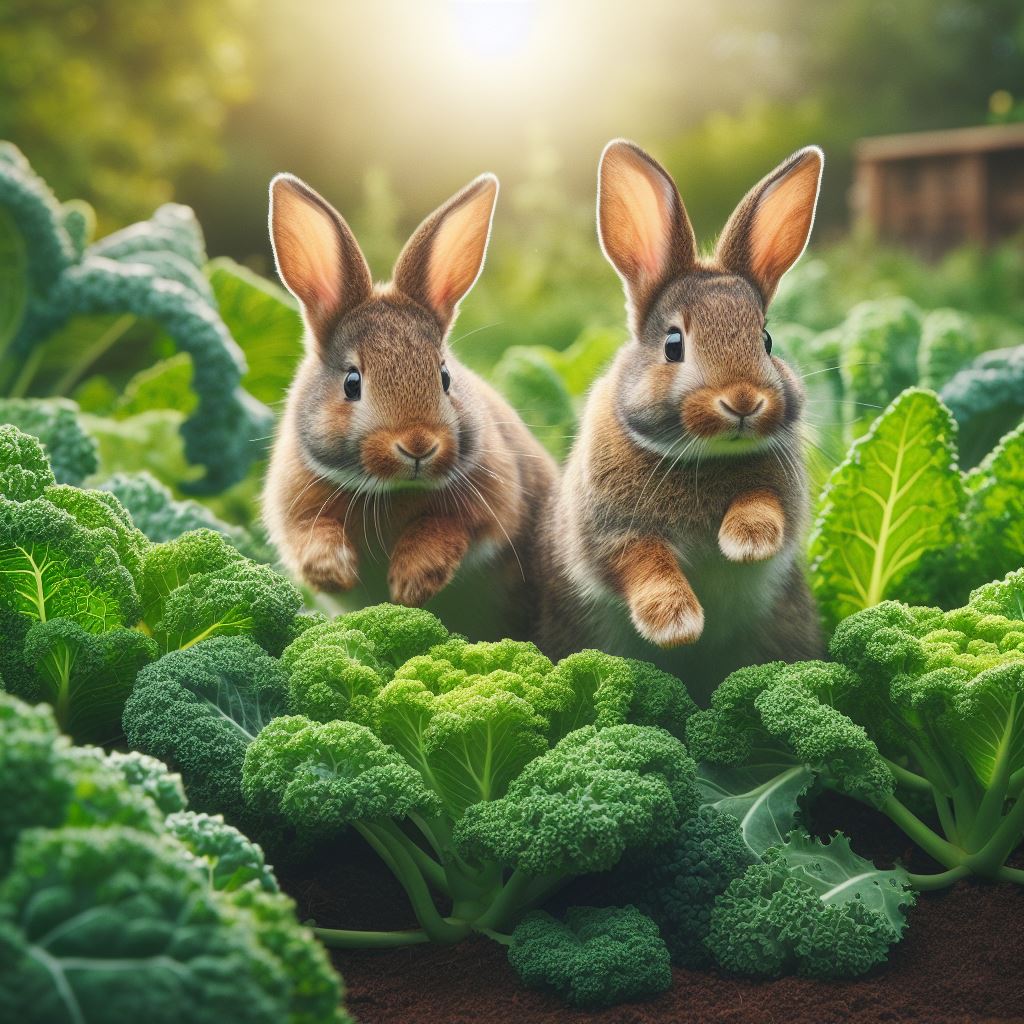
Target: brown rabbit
(389,450)
(676,532)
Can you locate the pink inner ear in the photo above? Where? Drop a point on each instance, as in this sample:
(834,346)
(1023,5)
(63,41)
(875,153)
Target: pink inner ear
(458,251)
(636,213)
(783,222)
(307,250)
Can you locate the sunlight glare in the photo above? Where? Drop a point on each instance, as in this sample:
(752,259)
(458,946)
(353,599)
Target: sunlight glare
(494,28)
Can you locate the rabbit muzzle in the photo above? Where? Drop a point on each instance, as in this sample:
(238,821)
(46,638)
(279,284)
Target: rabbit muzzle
(421,453)
(741,410)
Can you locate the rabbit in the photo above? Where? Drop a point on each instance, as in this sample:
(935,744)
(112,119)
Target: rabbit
(390,451)
(675,534)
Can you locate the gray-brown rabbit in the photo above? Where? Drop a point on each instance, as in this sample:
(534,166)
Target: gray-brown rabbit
(390,454)
(676,532)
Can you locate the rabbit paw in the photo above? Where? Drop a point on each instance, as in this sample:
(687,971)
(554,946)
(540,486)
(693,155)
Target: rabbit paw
(330,565)
(750,540)
(415,579)
(668,617)
(753,529)
(425,559)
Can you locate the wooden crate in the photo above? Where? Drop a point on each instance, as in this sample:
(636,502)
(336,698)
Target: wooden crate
(932,191)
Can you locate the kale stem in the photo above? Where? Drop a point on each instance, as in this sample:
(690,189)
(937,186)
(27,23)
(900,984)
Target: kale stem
(404,868)
(521,892)
(1004,840)
(935,846)
(1005,874)
(343,938)
(946,817)
(940,880)
(429,830)
(381,850)
(908,778)
(966,798)
(508,901)
(432,871)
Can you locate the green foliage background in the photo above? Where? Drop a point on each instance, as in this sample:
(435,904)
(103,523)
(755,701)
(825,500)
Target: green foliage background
(127,104)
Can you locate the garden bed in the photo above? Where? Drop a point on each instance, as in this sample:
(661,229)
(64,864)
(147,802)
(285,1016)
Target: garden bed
(961,962)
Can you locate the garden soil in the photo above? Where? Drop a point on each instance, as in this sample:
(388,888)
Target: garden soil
(962,961)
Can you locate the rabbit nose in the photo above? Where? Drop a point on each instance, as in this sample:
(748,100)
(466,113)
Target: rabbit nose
(742,405)
(417,447)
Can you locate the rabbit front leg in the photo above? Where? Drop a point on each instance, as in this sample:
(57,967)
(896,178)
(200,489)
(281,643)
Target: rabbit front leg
(308,531)
(754,527)
(425,558)
(327,560)
(662,604)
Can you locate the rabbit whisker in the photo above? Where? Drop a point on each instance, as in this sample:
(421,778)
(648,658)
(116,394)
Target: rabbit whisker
(675,462)
(378,492)
(316,518)
(501,527)
(838,366)
(315,480)
(476,330)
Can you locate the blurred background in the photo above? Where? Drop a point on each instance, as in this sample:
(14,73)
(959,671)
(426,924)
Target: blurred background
(388,107)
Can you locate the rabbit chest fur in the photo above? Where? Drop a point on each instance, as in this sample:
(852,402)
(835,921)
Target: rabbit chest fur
(753,611)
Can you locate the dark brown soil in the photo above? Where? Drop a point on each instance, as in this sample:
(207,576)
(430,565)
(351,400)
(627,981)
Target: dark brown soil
(962,961)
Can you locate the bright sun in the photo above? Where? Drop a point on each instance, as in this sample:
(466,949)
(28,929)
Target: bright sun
(494,28)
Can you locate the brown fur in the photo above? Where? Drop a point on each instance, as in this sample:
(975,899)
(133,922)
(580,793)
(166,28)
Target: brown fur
(686,486)
(664,608)
(460,469)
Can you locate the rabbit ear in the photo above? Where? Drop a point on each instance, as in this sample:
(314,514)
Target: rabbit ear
(445,255)
(317,256)
(769,229)
(643,226)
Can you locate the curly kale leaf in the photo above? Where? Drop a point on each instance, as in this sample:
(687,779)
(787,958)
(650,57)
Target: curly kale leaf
(86,676)
(24,468)
(987,400)
(809,908)
(775,721)
(161,517)
(199,709)
(330,775)
(71,451)
(580,806)
(111,924)
(596,956)
(993,530)
(676,883)
(606,690)
(198,586)
(233,860)
(54,563)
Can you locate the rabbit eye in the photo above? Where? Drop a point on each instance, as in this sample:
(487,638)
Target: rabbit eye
(353,384)
(446,378)
(674,345)
(767,340)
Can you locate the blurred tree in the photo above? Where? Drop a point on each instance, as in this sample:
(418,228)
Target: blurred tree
(112,101)
(123,101)
(831,73)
